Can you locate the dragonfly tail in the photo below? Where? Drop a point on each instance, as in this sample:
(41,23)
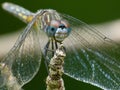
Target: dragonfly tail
(20,12)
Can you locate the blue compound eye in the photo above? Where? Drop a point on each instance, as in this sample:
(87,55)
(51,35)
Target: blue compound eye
(52,29)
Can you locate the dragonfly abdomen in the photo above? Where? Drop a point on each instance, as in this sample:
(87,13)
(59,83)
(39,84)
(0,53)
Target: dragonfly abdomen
(23,14)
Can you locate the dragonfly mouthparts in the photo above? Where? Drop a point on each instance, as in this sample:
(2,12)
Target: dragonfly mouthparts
(61,33)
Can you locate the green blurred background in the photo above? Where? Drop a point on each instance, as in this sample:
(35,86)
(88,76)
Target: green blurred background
(90,11)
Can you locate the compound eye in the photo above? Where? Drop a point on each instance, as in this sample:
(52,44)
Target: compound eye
(52,29)
(65,23)
(55,23)
(62,26)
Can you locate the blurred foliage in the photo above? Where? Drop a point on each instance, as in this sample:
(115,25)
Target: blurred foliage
(90,11)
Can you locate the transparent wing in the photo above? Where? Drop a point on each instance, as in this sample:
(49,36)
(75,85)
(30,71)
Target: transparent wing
(23,61)
(91,57)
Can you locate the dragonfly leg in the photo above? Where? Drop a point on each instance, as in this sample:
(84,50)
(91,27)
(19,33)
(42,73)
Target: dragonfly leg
(52,48)
(46,48)
(45,55)
(56,46)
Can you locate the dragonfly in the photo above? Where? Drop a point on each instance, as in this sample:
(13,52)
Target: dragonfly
(91,57)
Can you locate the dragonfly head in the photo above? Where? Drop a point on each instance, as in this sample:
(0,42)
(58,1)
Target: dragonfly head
(58,29)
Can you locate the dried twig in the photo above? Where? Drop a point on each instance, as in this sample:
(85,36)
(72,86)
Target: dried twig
(54,80)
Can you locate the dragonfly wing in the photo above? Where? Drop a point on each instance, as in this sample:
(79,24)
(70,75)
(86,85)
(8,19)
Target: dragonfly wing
(23,61)
(91,57)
